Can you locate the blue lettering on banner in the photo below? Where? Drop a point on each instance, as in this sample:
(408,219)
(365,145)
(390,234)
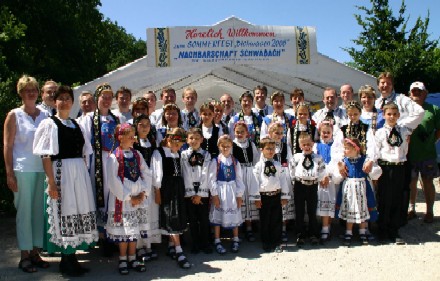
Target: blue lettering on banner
(261,53)
(207,54)
(199,44)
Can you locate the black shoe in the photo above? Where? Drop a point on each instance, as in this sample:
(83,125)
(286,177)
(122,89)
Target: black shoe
(267,248)
(314,240)
(364,239)
(78,265)
(106,248)
(325,237)
(172,252)
(347,240)
(300,242)
(278,249)
(68,266)
(250,236)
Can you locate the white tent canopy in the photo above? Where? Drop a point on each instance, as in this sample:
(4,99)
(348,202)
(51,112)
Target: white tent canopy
(212,80)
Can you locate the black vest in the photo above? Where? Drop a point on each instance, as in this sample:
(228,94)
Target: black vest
(239,153)
(70,141)
(210,144)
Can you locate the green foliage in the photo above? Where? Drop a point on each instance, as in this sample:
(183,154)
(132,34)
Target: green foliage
(62,40)
(388,45)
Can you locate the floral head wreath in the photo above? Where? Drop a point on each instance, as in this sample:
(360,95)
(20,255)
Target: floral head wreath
(303,104)
(123,129)
(207,105)
(352,143)
(354,104)
(327,122)
(276,94)
(179,136)
(101,88)
(170,106)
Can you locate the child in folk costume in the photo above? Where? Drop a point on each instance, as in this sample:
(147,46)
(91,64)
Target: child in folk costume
(355,201)
(146,144)
(392,146)
(247,155)
(270,193)
(170,192)
(326,193)
(308,169)
(358,130)
(227,188)
(195,163)
(282,155)
(210,131)
(129,180)
(302,123)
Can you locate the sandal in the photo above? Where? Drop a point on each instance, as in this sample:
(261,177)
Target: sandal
(411,215)
(172,252)
(235,246)
(38,261)
(137,265)
(27,266)
(123,267)
(220,249)
(182,261)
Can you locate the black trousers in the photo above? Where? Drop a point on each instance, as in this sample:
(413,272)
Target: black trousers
(271,219)
(390,193)
(302,194)
(198,218)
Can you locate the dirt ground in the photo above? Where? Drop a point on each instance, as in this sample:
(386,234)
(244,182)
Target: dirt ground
(417,260)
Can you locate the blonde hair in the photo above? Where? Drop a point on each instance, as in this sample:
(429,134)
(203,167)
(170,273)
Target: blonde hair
(189,90)
(223,139)
(25,81)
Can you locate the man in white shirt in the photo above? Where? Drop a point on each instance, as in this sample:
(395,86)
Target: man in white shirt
(228,104)
(260,107)
(168,96)
(346,93)
(190,115)
(331,111)
(47,92)
(411,114)
(123,100)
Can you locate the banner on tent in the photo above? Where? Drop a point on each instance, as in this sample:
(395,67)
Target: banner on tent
(230,42)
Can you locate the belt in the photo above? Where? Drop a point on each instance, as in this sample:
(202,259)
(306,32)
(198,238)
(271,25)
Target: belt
(306,182)
(246,164)
(270,193)
(386,163)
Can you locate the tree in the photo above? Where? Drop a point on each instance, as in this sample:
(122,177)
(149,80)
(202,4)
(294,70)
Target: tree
(68,41)
(387,45)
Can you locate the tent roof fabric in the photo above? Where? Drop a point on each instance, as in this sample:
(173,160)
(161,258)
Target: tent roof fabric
(212,80)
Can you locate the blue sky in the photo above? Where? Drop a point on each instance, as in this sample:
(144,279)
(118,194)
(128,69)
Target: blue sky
(333,19)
